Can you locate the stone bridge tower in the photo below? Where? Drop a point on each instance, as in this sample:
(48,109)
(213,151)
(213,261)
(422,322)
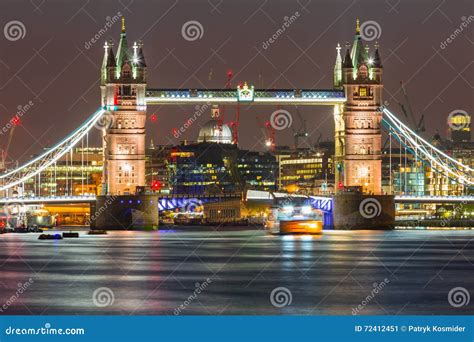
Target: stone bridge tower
(123,86)
(358,136)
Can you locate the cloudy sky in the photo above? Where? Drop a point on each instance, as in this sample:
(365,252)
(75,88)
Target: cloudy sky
(52,62)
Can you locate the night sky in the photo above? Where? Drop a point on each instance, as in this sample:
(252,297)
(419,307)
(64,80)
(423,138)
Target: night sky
(52,67)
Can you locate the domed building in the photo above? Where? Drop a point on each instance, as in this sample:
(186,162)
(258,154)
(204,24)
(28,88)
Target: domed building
(211,133)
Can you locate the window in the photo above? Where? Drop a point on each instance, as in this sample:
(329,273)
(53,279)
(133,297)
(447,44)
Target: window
(363,91)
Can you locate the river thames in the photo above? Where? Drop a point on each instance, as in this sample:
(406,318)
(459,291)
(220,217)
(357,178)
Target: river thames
(237,271)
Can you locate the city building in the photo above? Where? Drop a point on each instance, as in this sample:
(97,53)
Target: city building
(211,166)
(459,124)
(306,171)
(75,174)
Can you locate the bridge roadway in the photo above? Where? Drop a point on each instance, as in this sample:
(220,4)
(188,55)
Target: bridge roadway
(248,95)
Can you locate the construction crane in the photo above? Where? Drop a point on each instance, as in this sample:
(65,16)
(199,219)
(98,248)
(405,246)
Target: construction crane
(234,125)
(4,152)
(268,133)
(418,126)
(301,132)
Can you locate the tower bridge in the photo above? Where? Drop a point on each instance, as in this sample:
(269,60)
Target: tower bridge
(356,98)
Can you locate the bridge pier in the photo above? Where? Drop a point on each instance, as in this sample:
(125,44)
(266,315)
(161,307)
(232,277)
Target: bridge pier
(354,211)
(130,212)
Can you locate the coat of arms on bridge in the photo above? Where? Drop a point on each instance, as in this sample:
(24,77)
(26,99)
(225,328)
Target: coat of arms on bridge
(245,93)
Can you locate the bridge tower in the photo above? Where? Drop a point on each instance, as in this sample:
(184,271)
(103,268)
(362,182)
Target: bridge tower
(123,86)
(358,136)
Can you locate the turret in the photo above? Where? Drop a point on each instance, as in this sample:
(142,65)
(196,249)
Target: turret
(338,68)
(139,64)
(111,63)
(377,65)
(347,67)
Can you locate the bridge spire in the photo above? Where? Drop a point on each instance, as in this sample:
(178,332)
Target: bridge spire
(357,26)
(338,67)
(122,50)
(377,60)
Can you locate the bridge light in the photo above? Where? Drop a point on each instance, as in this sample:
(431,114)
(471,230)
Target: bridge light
(340,185)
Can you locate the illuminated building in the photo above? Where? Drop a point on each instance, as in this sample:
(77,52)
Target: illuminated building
(460,127)
(213,165)
(357,124)
(123,85)
(306,171)
(411,177)
(76,173)
(212,168)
